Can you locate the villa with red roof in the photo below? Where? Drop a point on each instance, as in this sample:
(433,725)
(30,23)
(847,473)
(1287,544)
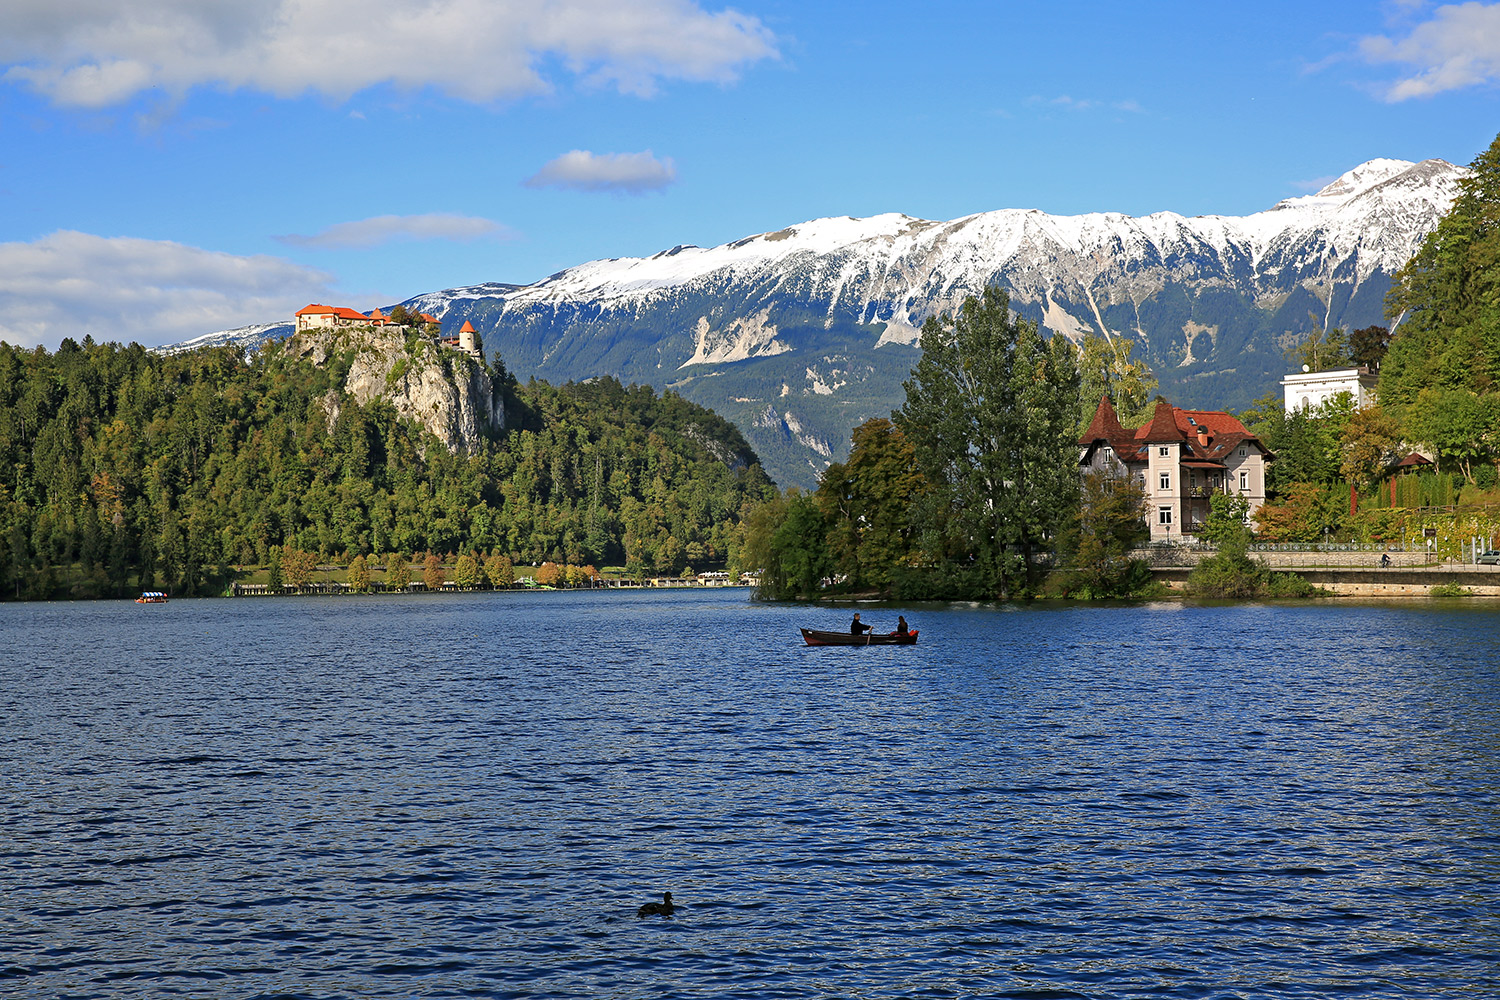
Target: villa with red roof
(1182,457)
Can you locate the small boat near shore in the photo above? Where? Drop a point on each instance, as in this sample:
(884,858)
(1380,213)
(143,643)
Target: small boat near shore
(815,637)
(152,597)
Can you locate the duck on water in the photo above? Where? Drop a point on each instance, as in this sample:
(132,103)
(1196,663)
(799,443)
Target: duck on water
(662,909)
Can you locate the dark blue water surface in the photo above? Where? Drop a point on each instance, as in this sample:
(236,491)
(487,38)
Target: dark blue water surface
(469,795)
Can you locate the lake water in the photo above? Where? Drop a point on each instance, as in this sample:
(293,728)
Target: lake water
(469,796)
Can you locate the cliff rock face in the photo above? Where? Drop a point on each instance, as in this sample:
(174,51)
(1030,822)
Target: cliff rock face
(445,391)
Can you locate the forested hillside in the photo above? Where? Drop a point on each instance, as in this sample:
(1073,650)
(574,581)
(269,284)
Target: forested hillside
(121,469)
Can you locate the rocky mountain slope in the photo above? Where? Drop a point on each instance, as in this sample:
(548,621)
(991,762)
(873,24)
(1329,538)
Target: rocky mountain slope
(800,334)
(445,391)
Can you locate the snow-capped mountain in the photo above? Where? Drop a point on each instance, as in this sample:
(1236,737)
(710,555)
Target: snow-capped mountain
(248,337)
(800,334)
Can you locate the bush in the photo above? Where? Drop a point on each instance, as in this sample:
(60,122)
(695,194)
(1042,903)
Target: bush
(1230,573)
(1450,590)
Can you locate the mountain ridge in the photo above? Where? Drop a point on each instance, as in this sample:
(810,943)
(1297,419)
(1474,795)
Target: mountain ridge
(800,334)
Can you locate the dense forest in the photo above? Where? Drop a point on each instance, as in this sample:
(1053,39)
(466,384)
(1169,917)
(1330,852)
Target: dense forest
(123,469)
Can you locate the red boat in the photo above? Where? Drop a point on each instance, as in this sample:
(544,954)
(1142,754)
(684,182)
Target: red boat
(814,637)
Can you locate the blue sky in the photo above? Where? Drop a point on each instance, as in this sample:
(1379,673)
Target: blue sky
(175,167)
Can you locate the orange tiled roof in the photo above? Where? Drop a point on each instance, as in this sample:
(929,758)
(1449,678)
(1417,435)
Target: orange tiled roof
(1170,425)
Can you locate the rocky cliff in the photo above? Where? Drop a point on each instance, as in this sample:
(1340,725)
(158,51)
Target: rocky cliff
(446,391)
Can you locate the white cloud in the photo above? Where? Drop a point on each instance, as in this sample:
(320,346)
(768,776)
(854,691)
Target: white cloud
(95,53)
(153,292)
(630,173)
(384,229)
(1459,47)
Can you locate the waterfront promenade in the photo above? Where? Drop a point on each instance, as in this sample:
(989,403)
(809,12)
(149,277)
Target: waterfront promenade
(1345,572)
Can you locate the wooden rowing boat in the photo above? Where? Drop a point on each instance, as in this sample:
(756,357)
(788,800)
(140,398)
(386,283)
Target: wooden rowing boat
(814,637)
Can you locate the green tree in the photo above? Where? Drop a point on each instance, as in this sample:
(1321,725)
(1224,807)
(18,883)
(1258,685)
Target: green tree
(799,559)
(1228,521)
(1445,303)
(866,503)
(1308,443)
(397,572)
(991,413)
(1368,346)
(1320,350)
(1096,547)
(1105,369)
(1459,424)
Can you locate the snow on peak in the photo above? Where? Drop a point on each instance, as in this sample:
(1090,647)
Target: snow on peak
(1364,177)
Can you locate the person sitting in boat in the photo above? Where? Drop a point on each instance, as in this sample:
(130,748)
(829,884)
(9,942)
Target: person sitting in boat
(857,627)
(900,626)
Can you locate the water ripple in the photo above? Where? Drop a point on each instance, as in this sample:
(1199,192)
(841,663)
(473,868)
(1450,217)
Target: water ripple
(470,796)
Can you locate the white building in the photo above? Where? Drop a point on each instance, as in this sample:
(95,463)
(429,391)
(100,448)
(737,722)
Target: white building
(1309,390)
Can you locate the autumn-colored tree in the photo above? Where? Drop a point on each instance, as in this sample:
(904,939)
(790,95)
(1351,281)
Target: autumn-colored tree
(297,567)
(1369,443)
(397,572)
(359,575)
(500,571)
(549,574)
(1304,512)
(432,572)
(466,571)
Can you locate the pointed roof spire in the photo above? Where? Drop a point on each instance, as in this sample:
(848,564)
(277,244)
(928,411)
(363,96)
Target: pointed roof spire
(1105,425)
(1162,428)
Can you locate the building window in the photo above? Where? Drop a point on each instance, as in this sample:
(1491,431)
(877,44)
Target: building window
(1164,451)
(1108,453)
(1166,480)
(1194,480)
(1244,481)
(1244,452)
(1164,516)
